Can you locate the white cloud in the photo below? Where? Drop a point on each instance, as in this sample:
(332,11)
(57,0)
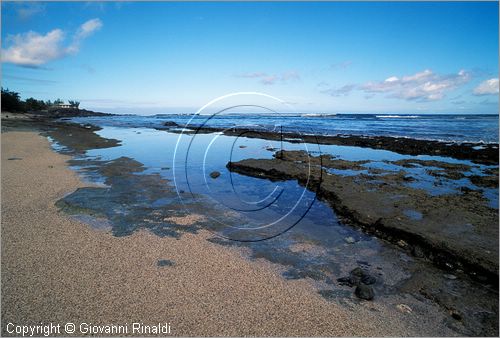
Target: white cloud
(488,87)
(418,76)
(32,49)
(422,86)
(85,30)
(88,28)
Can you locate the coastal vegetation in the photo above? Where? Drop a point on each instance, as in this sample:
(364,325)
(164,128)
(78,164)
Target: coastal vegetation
(12,102)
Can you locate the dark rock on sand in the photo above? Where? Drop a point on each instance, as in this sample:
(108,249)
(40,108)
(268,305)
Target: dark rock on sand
(164,262)
(364,292)
(214,174)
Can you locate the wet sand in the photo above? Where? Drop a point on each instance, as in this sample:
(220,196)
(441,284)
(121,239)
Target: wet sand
(57,269)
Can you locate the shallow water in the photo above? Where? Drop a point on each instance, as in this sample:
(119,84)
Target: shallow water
(155,175)
(197,156)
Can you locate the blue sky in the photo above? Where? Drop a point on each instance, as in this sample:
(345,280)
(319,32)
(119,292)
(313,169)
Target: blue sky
(321,57)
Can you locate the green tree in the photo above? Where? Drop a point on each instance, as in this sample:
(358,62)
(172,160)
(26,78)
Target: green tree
(11,101)
(35,105)
(58,101)
(74,103)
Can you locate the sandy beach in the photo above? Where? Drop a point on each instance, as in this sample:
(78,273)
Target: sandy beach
(57,270)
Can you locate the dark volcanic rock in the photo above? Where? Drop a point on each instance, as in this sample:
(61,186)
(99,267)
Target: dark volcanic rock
(356,277)
(485,181)
(170,124)
(358,272)
(417,252)
(444,233)
(364,292)
(345,281)
(214,174)
(70,112)
(487,154)
(368,280)
(164,262)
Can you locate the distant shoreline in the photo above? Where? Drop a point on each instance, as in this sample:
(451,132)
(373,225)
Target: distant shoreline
(55,113)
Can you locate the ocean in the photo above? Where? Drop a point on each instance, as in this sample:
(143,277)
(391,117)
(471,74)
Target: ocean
(448,128)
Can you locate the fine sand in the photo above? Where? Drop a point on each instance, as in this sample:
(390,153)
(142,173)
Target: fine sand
(56,269)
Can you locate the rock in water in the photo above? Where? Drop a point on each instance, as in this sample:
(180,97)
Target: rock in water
(170,124)
(364,292)
(345,281)
(368,280)
(356,277)
(358,272)
(214,174)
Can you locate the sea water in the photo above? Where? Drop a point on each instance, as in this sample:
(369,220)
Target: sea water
(449,127)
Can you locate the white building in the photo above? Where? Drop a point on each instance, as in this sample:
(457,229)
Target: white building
(63,105)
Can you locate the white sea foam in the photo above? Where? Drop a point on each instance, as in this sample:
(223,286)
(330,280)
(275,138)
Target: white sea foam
(398,116)
(318,114)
